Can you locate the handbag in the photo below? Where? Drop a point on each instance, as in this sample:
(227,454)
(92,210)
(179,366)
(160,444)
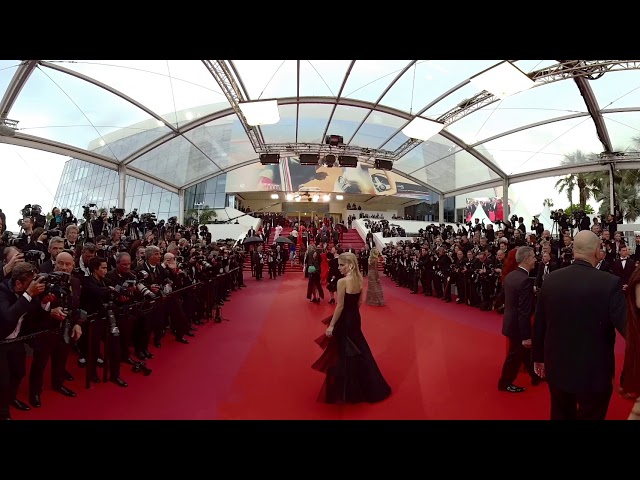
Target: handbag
(311,269)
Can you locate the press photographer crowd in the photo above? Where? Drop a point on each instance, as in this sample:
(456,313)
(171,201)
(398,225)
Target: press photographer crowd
(475,258)
(103,288)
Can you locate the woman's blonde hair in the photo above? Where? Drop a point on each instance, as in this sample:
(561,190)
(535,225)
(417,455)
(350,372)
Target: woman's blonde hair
(373,255)
(351,260)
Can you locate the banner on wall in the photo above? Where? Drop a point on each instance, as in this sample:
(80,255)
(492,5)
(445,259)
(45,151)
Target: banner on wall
(254,178)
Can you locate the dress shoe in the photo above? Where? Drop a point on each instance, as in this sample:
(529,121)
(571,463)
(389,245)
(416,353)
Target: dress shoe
(20,405)
(182,340)
(65,391)
(141,355)
(148,354)
(512,389)
(68,377)
(190,334)
(35,402)
(95,379)
(120,382)
(157,344)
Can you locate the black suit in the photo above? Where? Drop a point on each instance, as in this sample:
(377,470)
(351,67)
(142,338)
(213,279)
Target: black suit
(12,355)
(52,346)
(623,272)
(516,325)
(579,309)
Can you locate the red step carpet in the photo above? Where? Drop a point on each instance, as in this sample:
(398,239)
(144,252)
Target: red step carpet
(442,361)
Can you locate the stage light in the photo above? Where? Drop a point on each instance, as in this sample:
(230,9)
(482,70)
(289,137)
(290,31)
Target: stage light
(348,161)
(262,112)
(330,160)
(270,158)
(289,197)
(274,196)
(422,128)
(383,164)
(334,140)
(339,197)
(309,159)
(326,197)
(315,198)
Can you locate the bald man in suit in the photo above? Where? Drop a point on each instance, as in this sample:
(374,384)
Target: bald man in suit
(578,312)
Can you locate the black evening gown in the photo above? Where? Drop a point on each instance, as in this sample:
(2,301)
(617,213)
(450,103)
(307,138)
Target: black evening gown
(352,374)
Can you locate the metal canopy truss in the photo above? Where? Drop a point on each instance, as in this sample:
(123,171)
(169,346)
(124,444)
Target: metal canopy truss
(23,72)
(231,90)
(323,149)
(590,69)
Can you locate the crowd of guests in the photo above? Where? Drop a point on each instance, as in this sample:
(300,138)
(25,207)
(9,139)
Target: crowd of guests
(166,280)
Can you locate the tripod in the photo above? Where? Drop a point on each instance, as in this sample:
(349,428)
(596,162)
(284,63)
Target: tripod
(217,316)
(555,229)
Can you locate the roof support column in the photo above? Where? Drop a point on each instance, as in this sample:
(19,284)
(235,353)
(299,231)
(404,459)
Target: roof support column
(441,208)
(122,184)
(181,206)
(505,199)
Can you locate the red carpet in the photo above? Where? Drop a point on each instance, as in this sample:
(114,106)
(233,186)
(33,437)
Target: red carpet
(441,360)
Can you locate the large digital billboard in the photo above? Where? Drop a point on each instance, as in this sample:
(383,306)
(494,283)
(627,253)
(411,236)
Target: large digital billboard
(291,176)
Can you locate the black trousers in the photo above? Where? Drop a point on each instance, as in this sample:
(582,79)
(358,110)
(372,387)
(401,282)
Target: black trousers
(12,371)
(579,406)
(45,347)
(113,348)
(517,355)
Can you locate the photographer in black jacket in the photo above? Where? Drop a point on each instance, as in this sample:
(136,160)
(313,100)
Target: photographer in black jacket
(16,303)
(96,295)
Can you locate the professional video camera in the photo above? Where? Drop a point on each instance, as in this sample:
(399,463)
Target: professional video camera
(148,221)
(34,257)
(556,215)
(90,211)
(204,230)
(35,213)
(116,216)
(8,239)
(55,232)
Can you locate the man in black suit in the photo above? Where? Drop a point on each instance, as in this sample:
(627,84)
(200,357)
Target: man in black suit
(623,267)
(516,326)
(17,301)
(603,264)
(578,312)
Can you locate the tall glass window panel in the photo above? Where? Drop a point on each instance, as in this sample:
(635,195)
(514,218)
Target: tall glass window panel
(376,130)
(220,200)
(532,106)
(165,201)
(285,130)
(267,79)
(346,120)
(624,130)
(312,120)
(543,147)
(61,107)
(187,162)
(154,203)
(369,78)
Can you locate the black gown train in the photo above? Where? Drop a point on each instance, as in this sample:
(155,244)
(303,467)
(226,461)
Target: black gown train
(352,374)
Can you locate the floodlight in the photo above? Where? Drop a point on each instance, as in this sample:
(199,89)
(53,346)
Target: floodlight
(261,112)
(422,128)
(503,80)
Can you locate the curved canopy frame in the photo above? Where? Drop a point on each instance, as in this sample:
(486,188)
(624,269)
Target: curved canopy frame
(577,71)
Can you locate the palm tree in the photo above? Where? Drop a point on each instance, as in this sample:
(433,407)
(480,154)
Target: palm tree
(626,194)
(203,215)
(567,184)
(582,181)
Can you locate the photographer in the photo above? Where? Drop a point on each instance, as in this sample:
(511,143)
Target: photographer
(16,303)
(59,301)
(13,257)
(97,298)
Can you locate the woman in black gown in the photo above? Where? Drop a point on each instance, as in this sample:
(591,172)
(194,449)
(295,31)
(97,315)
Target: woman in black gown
(352,374)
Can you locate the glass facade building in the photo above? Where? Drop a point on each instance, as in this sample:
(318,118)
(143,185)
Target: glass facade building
(82,183)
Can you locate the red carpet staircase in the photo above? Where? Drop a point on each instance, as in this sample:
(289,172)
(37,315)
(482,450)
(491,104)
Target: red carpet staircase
(350,239)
